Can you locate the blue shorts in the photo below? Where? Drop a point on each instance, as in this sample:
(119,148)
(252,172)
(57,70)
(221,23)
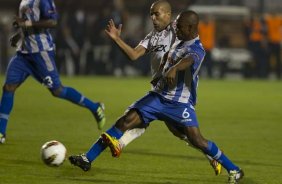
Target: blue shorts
(39,65)
(155,107)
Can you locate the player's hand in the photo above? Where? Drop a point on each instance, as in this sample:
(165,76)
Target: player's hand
(14,39)
(170,76)
(18,22)
(112,31)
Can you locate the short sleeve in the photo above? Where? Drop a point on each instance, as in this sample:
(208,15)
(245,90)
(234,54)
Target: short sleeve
(145,42)
(48,9)
(195,53)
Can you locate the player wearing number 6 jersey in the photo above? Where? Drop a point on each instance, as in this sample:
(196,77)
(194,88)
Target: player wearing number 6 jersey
(35,56)
(172,99)
(156,44)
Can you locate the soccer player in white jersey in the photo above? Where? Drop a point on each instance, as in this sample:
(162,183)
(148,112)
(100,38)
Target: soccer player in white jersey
(35,56)
(156,43)
(172,99)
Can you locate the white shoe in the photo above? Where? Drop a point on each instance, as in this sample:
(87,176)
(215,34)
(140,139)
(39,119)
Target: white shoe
(2,138)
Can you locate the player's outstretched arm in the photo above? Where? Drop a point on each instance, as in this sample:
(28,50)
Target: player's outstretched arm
(114,33)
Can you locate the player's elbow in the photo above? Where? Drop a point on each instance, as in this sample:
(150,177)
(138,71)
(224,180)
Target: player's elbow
(53,23)
(134,57)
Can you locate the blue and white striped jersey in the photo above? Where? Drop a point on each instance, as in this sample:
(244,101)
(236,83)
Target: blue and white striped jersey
(33,39)
(186,81)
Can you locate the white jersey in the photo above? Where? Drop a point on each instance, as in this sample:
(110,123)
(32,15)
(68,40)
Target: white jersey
(157,44)
(33,39)
(185,89)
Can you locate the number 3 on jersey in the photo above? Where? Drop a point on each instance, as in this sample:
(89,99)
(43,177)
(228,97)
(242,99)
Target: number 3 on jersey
(47,81)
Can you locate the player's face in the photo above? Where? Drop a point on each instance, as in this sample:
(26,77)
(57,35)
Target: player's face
(181,29)
(160,17)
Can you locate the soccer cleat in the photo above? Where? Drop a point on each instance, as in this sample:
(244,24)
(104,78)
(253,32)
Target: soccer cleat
(235,176)
(216,166)
(80,161)
(100,116)
(2,138)
(112,143)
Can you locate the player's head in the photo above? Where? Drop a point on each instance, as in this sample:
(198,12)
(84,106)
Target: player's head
(187,25)
(160,14)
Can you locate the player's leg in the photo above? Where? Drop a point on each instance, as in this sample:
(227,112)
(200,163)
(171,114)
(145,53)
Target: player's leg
(6,105)
(147,107)
(46,73)
(130,120)
(16,73)
(211,149)
(74,96)
(142,112)
(178,132)
(117,145)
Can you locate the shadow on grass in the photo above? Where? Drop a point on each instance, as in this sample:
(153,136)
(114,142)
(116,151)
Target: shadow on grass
(175,156)
(166,155)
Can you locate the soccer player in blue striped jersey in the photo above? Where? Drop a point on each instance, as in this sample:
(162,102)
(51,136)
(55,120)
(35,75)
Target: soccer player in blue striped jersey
(156,44)
(35,56)
(172,99)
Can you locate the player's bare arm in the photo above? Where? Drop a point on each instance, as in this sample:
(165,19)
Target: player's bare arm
(48,23)
(183,64)
(114,33)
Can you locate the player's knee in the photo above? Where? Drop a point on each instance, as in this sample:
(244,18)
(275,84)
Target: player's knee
(199,142)
(128,121)
(57,92)
(10,87)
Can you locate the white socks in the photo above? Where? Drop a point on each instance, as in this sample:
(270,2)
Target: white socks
(130,135)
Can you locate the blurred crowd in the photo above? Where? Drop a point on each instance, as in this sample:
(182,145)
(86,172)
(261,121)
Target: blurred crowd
(83,48)
(262,37)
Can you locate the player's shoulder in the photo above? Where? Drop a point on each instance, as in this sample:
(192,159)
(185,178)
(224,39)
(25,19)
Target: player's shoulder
(194,46)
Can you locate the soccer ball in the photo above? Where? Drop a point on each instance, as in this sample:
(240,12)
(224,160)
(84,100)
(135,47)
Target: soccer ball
(53,153)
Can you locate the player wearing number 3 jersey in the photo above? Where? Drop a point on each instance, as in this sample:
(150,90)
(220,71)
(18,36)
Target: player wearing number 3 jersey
(35,56)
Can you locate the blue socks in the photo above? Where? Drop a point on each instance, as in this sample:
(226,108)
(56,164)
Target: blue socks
(217,154)
(99,147)
(75,97)
(6,106)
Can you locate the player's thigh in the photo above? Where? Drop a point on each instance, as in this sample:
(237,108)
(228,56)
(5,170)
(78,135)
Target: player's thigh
(180,114)
(17,70)
(148,108)
(129,120)
(45,70)
(176,130)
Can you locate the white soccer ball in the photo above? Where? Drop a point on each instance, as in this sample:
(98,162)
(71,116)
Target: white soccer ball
(53,153)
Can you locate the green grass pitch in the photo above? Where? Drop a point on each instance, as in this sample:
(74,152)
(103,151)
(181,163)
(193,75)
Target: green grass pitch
(244,118)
